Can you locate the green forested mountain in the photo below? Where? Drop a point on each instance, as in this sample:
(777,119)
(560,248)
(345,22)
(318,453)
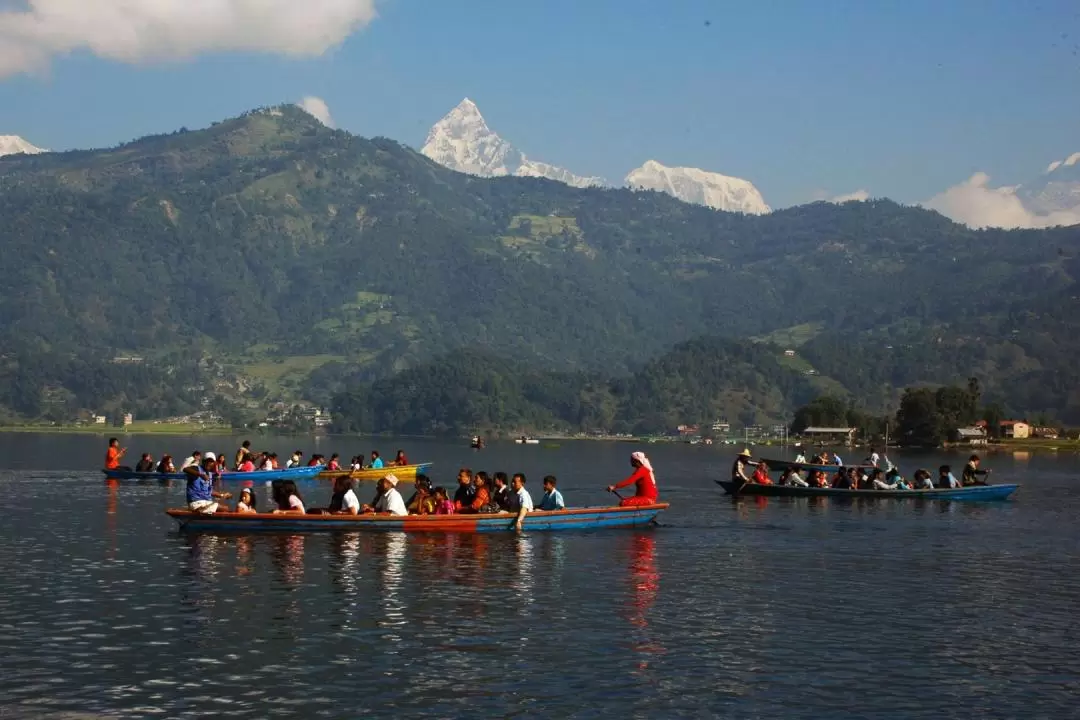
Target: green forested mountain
(271,236)
(697,381)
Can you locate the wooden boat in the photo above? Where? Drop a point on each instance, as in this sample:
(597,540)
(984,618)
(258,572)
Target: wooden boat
(782,465)
(969,492)
(571,519)
(526,441)
(294,473)
(404,473)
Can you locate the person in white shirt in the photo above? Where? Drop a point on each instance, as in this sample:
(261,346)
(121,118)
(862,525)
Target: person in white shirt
(525,503)
(390,501)
(192,460)
(873,459)
(295,460)
(923,481)
(267,463)
(343,501)
(800,458)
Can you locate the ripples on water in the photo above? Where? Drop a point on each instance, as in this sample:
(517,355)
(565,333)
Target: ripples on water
(747,609)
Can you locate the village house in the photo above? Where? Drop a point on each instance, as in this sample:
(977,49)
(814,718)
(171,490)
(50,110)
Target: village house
(834,434)
(970,435)
(1017,429)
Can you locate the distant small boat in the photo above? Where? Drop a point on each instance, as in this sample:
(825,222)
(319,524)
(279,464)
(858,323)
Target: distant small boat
(970,492)
(526,441)
(404,473)
(293,473)
(571,519)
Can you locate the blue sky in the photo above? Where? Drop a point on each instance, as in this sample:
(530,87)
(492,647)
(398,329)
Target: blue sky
(804,99)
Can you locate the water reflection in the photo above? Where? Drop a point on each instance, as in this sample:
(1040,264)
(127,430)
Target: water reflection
(392,578)
(644,585)
(110,519)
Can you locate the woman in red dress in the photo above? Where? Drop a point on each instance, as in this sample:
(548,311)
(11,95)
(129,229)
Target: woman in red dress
(643,478)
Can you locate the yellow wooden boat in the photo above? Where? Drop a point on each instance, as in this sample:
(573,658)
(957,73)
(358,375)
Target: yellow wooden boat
(404,473)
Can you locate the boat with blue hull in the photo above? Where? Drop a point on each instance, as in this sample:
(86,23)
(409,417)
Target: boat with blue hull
(293,473)
(969,492)
(597,518)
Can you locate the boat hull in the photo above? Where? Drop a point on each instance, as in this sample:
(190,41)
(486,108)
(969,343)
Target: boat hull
(296,473)
(573,519)
(971,492)
(404,473)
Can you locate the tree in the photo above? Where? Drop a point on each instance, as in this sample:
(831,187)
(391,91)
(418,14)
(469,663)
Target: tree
(918,421)
(824,411)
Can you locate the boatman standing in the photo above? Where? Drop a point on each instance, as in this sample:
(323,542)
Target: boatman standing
(739,470)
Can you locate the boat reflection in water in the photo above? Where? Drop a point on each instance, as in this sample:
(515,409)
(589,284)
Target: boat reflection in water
(644,585)
(391,615)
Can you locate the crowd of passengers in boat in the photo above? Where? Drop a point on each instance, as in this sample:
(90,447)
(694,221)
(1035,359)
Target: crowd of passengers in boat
(876,473)
(476,493)
(245,460)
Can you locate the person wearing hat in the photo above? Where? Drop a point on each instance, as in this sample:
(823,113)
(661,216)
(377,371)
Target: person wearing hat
(740,467)
(390,501)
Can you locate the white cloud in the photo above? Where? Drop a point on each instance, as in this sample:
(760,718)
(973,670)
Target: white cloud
(318,109)
(1053,166)
(134,31)
(857,196)
(978,205)
(1072,159)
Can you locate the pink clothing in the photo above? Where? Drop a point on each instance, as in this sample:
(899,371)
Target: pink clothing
(446,507)
(247,466)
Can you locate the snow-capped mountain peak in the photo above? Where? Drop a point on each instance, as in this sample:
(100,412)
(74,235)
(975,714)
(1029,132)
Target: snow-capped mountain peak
(463,141)
(14,145)
(693,185)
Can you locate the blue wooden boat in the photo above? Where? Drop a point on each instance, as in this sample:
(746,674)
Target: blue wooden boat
(970,492)
(293,473)
(572,519)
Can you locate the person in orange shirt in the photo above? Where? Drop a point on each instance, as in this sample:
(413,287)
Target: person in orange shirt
(113,455)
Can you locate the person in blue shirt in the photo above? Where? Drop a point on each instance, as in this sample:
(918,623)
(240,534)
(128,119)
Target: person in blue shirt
(552,499)
(200,488)
(376,461)
(946,479)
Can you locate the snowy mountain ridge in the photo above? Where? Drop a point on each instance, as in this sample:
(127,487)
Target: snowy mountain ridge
(700,187)
(463,141)
(14,145)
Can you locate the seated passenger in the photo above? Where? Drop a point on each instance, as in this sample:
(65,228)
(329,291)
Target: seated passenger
(842,480)
(334,464)
(390,501)
(463,496)
(761,474)
(877,481)
(295,460)
(376,461)
(401,460)
(553,499)
(923,481)
(421,502)
(946,479)
(896,481)
(246,503)
(166,465)
(501,496)
(265,462)
(481,495)
(344,500)
(145,464)
(200,493)
(818,479)
(525,503)
(287,497)
(793,478)
(247,463)
(859,479)
(443,504)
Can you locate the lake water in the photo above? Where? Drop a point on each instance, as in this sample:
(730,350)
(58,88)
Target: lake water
(752,608)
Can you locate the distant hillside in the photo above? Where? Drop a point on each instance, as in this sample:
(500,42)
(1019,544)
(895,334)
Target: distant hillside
(271,236)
